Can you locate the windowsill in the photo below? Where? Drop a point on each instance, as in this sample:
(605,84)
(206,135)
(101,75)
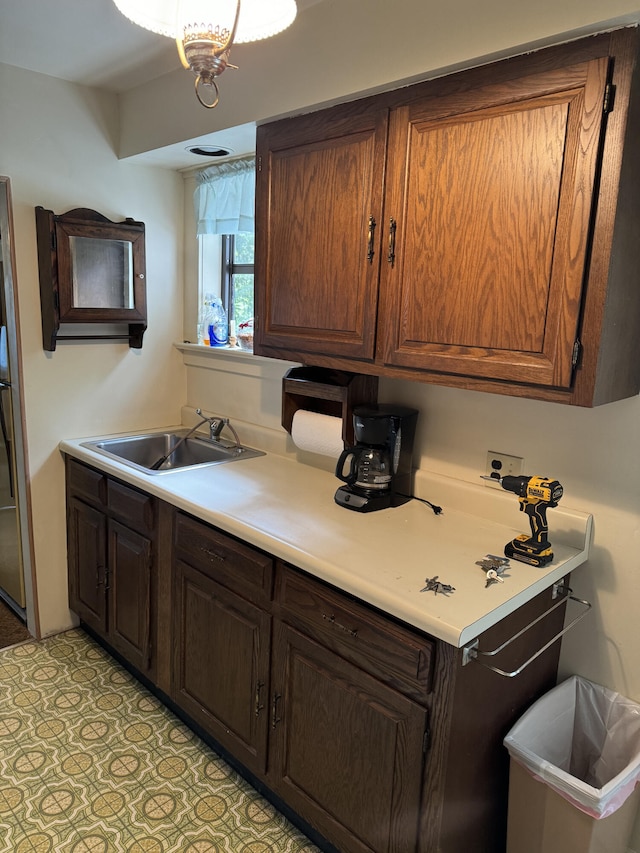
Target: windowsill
(230,359)
(215,352)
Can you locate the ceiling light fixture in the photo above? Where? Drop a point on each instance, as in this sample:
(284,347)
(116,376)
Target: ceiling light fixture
(205,31)
(209,150)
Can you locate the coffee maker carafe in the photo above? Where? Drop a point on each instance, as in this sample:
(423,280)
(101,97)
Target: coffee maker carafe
(378,469)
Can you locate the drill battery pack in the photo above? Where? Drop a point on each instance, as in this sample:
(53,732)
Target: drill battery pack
(526,550)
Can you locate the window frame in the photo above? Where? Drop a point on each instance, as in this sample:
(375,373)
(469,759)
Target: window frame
(228,269)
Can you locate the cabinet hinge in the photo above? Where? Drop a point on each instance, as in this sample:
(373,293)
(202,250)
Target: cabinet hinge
(609,97)
(575,355)
(259,164)
(426,740)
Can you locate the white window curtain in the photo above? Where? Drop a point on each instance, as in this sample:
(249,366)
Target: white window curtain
(224,199)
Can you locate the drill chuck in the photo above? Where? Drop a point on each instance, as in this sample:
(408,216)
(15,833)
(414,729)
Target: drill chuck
(517,485)
(535,489)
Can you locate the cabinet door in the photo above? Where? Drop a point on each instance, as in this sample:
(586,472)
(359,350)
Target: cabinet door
(221,664)
(491,191)
(130,562)
(318,202)
(87,545)
(347,750)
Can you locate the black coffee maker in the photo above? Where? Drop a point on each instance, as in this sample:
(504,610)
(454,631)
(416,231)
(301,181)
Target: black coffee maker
(378,470)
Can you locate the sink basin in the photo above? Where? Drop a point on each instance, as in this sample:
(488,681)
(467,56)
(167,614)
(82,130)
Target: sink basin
(142,451)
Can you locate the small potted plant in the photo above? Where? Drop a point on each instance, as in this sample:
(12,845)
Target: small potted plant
(245,335)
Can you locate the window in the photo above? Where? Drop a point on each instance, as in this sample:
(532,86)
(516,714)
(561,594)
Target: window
(225,270)
(224,209)
(237,276)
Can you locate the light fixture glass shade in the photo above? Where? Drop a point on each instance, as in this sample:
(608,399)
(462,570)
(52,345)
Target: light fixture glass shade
(159,16)
(259,19)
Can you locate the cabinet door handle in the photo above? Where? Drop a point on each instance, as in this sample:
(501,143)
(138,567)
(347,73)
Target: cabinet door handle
(257,706)
(213,554)
(275,719)
(332,619)
(391,257)
(370,235)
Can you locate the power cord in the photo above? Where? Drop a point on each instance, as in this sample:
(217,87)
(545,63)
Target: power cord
(437,510)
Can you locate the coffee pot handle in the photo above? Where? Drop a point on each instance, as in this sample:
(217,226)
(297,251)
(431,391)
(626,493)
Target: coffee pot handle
(351,476)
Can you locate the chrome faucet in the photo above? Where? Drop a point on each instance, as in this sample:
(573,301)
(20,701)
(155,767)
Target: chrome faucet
(216,425)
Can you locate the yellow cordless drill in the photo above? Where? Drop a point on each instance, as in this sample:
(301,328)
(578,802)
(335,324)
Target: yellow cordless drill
(535,495)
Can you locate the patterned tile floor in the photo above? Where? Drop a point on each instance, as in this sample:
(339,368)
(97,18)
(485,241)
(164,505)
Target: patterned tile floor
(90,762)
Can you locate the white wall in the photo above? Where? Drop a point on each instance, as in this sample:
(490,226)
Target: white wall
(58,150)
(339,48)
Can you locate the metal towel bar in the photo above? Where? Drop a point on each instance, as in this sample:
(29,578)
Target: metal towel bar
(471,651)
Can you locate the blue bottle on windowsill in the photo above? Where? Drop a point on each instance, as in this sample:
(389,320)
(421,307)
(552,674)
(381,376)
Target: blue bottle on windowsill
(218,324)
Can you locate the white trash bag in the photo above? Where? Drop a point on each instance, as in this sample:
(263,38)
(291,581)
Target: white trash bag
(583,741)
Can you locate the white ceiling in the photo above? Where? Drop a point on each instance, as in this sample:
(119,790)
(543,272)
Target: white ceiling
(85,41)
(82,41)
(92,43)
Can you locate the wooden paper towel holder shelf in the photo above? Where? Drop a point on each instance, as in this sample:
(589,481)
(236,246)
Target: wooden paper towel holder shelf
(328,392)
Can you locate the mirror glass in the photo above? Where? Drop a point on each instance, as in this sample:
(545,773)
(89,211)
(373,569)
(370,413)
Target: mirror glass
(101,272)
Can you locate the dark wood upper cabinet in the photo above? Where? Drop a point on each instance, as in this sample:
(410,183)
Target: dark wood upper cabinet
(492,193)
(482,232)
(92,271)
(317,254)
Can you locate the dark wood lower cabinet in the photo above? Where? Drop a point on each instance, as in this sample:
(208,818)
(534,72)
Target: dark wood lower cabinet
(341,747)
(130,566)
(376,735)
(111,563)
(87,554)
(221,664)
(347,751)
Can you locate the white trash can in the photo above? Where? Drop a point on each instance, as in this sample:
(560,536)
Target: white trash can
(574,772)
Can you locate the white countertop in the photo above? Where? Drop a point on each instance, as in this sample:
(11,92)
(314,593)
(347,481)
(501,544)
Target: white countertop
(384,557)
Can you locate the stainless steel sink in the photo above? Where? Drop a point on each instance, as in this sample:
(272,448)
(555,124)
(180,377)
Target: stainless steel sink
(144,451)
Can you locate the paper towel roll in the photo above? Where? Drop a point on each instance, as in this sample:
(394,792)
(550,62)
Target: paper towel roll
(317,433)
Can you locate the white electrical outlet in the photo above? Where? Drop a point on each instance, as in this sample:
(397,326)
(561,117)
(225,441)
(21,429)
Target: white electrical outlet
(502,465)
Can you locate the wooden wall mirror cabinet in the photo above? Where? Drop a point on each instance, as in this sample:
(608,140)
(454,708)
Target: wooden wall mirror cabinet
(92,271)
